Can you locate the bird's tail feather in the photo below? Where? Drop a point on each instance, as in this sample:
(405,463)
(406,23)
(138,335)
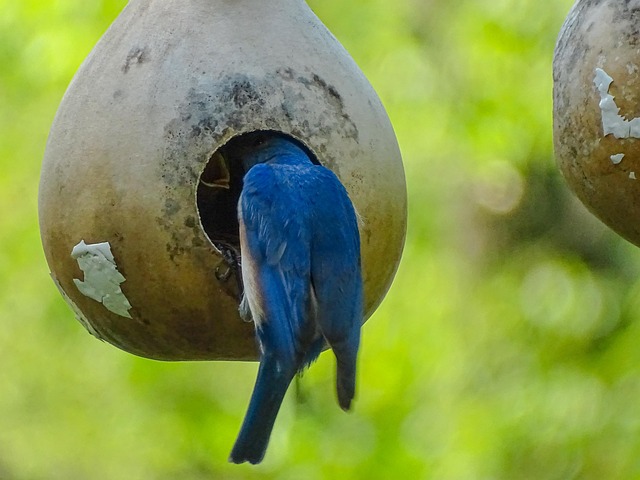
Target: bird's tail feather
(346,353)
(269,391)
(346,380)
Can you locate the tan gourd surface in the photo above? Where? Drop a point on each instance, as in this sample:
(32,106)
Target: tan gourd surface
(604,171)
(166,86)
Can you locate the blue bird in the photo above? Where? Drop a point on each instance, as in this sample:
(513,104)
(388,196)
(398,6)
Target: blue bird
(300,251)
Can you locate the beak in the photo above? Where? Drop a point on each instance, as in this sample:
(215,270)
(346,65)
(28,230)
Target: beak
(216,174)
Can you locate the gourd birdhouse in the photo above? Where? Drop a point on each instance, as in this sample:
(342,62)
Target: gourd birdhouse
(138,205)
(596,73)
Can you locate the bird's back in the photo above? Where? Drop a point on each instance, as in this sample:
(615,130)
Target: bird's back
(301,269)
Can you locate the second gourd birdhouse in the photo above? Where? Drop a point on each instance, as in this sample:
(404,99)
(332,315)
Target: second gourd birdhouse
(596,73)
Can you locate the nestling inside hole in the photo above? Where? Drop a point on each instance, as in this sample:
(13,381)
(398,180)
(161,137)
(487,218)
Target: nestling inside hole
(217,196)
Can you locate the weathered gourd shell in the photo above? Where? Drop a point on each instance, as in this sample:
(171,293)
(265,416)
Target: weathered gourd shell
(596,72)
(122,178)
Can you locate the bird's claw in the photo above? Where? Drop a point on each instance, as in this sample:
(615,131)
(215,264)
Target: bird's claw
(223,277)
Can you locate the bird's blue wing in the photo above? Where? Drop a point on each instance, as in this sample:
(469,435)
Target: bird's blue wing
(275,249)
(336,277)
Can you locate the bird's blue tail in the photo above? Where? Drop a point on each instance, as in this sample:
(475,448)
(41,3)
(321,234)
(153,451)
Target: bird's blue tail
(268,393)
(346,353)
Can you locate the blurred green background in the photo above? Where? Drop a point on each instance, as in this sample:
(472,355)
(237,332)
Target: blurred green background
(507,348)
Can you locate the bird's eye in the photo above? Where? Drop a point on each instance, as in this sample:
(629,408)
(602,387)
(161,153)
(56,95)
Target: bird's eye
(259,141)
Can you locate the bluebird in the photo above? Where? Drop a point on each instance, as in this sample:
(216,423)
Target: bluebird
(300,261)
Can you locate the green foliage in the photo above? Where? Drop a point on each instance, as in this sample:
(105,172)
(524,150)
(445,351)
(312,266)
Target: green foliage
(506,349)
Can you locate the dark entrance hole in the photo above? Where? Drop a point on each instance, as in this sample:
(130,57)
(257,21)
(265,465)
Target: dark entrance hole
(219,189)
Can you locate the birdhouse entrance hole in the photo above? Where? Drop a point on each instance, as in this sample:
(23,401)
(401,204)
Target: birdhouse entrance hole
(220,185)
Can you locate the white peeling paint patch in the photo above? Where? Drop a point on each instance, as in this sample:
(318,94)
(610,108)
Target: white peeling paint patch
(101,276)
(632,175)
(617,158)
(612,121)
(76,310)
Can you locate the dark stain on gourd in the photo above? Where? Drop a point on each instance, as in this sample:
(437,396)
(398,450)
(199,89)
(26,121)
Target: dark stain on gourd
(222,108)
(136,56)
